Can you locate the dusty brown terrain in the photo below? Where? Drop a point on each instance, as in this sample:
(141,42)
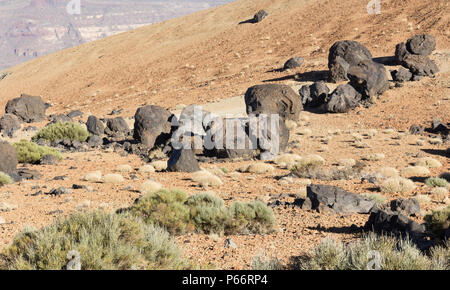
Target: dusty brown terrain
(209,57)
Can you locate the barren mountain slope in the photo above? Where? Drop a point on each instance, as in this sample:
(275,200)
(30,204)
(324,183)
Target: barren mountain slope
(208,55)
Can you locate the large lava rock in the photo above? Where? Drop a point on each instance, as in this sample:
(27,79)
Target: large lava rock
(422,44)
(344,54)
(259,16)
(8,158)
(386,221)
(95,126)
(228,138)
(339,200)
(293,62)
(152,125)
(273,99)
(369,78)
(407,207)
(118,126)
(401,75)
(192,120)
(343,99)
(420,65)
(9,123)
(27,108)
(182,160)
(314,95)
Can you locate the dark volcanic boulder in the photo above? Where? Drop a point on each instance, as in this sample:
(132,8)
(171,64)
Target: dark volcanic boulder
(118,126)
(95,126)
(273,99)
(314,95)
(27,108)
(293,62)
(400,53)
(420,65)
(339,200)
(344,54)
(9,123)
(343,99)
(228,138)
(422,44)
(407,207)
(259,16)
(386,221)
(182,160)
(152,125)
(401,75)
(192,120)
(8,158)
(369,78)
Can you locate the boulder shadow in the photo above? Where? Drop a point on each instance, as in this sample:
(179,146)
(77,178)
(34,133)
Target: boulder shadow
(313,76)
(439,152)
(340,230)
(251,21)
(385,60)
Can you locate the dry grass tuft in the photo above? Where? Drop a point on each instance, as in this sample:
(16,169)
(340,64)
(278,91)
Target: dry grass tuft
(95,176)
(125,168)
(347,162)
(113,178)
(414,171)
(374,157)
(397,184)
(205,179)
(147,169)
(428,162)
(159,165)
(150,186)
(387,172)
(260,168)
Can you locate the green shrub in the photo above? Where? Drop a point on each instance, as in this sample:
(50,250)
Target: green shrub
(378,198)
(394,255)
(203,213)
(103,241)
(253,217)
(438,221)
(61,131)
(208,213)
(436,182)
(28,152)
(5,179)
(166,208)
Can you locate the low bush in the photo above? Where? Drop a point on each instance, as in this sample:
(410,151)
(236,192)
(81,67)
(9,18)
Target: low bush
(251,218)
(397,184)
(428,162)
(166,208)
(29,152)
(394,254)
(102,241)
(203,213)
(438,221)
(261,262)
(436,182)
(5,179)
(61,131)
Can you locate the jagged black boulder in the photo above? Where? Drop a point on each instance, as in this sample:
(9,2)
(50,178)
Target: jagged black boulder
(422,44)
(401,75)
(152,125)
(369,78)
(386,221)
(95,126)
(273,99)
(314,95)
(8,158)
(344,54)
(293,63)
(259,16)
(9,124)
(338,200)
(343,99)
(182,160)
(27,108)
